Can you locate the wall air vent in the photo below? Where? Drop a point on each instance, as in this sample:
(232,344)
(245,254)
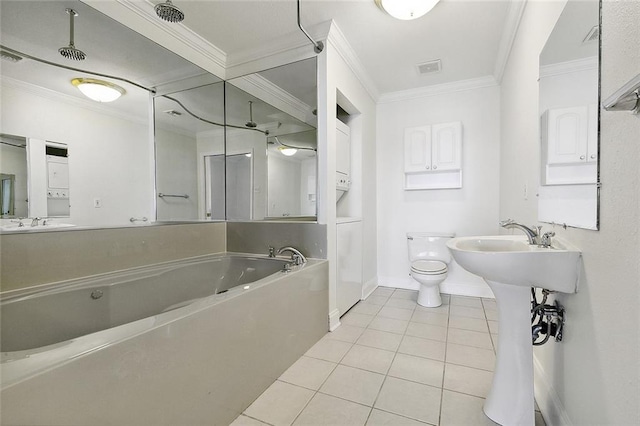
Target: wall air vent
(429,67)
(592,35)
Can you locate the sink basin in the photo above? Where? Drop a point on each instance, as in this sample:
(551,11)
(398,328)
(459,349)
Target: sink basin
(511,259)
(511,266)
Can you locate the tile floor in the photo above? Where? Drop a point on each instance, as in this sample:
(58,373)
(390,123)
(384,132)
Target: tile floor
(391,362)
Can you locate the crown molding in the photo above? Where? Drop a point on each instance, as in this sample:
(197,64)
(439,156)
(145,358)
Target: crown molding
(49,94)
(283,50)
(346,52)
(141,17)
(509,31)
(438,89)
(569,67)
(262,88)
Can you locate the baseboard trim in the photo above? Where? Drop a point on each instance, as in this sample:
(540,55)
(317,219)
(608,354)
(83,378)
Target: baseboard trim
(334,319)
(548,400)
(447,287)
(369,287)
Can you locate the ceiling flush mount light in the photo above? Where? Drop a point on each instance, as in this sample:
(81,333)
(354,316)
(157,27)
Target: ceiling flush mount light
(406,9)
(287,151)
(98,90)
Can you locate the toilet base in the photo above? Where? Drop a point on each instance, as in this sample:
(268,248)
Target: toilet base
(429,296)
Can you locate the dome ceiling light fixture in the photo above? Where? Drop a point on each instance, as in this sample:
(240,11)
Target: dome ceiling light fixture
(98,90)
(406,9)
(287,151)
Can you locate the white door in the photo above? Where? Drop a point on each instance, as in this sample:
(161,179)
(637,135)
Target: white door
(567,137)
(349,273)
(417,149)
(446,146)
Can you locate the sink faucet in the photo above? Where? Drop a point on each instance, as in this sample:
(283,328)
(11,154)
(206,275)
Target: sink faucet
(297,257)
(533,235)
(19,221)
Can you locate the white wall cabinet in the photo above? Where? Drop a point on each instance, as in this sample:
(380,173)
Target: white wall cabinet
(569,141)
(433,156)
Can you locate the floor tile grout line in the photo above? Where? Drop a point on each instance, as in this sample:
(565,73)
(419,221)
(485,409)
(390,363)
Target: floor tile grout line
(255,418)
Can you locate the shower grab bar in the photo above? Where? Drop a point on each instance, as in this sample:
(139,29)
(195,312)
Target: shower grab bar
(161,195)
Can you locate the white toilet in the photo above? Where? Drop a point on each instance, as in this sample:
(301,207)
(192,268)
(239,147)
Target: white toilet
(429,256)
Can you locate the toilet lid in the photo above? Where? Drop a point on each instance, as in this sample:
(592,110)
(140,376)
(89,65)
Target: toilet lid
(429,267)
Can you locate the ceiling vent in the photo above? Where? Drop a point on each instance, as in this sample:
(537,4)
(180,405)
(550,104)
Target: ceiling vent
(429,67)
(10,56)
(593,35)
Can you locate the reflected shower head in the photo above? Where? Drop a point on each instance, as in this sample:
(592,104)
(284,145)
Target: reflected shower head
(70,52)
(251,124)
(169,12)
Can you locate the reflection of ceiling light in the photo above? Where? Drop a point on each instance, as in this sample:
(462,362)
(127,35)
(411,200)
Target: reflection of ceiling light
(173,112)
(406,9)
(98,90)
(287,151)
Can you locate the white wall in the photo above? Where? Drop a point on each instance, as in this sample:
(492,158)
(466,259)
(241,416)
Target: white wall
(241,141)
(593,376)
(471,210)
(284,186)
(108,154)
(176,165)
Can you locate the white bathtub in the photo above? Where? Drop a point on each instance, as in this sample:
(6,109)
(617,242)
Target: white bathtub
(188,342)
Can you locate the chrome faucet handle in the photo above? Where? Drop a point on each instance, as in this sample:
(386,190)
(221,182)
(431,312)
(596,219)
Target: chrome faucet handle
(18,220)
(545,241)
(272,252)
(35,220)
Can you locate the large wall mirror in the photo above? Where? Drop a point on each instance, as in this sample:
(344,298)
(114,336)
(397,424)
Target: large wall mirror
(271,144)
(189,136)
(80,162)
(569,118)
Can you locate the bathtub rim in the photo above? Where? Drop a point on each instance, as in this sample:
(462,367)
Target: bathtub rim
(18,366)
(144,270)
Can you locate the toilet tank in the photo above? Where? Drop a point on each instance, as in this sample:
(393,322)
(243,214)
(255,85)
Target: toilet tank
(428,245)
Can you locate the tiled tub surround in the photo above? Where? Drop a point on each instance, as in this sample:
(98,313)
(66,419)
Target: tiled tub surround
(391,362)
(256,237)
(203,363)
(36,258)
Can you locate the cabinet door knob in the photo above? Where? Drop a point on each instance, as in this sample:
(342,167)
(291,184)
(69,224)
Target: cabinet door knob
(426,167)
(582,157)
(593,156)
(435,167)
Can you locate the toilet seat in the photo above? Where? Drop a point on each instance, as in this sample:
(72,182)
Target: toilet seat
(428,267)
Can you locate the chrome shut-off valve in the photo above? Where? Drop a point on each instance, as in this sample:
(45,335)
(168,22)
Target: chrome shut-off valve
(546,320)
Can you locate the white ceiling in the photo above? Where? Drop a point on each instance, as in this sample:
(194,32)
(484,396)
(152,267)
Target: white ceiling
(464,35)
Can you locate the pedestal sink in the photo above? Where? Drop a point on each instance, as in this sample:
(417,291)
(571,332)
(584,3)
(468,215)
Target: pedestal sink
(511,266)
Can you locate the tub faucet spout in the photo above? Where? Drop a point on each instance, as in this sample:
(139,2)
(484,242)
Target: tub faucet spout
(533,235)
(297,257)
